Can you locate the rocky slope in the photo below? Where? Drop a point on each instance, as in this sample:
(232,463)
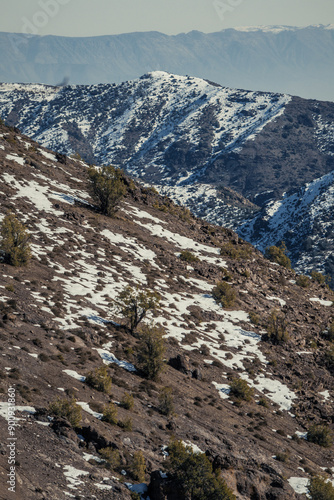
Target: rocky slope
(57,324)
(297,61)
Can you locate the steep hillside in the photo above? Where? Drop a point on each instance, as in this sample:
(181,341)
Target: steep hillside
(58,323)
(293,60)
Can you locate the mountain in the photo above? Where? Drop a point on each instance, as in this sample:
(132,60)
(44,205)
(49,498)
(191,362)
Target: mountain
(58,324)
(297,61)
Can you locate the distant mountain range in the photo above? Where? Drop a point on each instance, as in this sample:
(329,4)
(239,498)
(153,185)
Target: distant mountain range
(228,155)
(298,61)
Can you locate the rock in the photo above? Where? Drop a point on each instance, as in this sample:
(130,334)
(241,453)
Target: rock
(180,363)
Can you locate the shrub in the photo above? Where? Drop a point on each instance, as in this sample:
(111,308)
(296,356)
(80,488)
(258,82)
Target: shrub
(99,379)
(254,317)
(127,401)
(241,390)
(224,294)
(282,456)
(151,351)
(68,409)
(303,281)
(108,188)
(320,489)
(166,405)
(138,466)
(187,256)
(321,435)
(112,456)
(193,475)
(320,278)
(235,251)
(330,334)
(277,327)
(14,245)
(278,255)
(110,414)
(134,304)
(126,424)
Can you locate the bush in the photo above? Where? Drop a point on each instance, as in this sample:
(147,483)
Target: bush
(134,304)
(138,466)
(193,476)
(99,379)
(278,255)
(151,351)
(127,401)
(224,294)
(236,251)
(110,414)
(303,281)
(321,435)
(68,409)
(187,256)
(241,390)
(112,456)
(277,327)
(166,405)
(320,278)
(14,245)
(330,334)
(126,424)
(108,188)
(320,489)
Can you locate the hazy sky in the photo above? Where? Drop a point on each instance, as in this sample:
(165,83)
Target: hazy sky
(107,17)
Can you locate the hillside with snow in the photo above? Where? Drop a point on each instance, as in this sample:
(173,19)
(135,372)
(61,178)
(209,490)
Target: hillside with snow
(283,59)
(58,323)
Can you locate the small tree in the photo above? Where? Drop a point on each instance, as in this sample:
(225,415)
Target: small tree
(134,304)
(68,409)
(278,255)
(166,404)
(224,294)
(193,475)
(241,390)
(277,327)
(14,242)
(321,435)
(138,466)
(127,401)
(108,188)
(110,414)
(320,489)
(99,379)
(151,351)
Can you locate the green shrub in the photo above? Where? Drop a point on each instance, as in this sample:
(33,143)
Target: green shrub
(112,456)
(110,414)
(224,294)
(68,409)
(193,475)
(303,281)
(278,255)
(127,401)
(277,327)
(241,390)
(166,404)
(108,188)
(254,317)
(138,466)
(126,424)
(321,435)
(187,256)
(234,251)
(282,456)
(320,489)
(99,379)
(14,246)
(151,351)
(330,334)
(320,278)
(134,304)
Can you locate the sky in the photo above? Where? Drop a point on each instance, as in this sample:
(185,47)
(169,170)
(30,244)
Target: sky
(108,17)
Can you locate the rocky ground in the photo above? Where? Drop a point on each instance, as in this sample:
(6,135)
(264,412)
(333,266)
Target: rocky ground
(57,323)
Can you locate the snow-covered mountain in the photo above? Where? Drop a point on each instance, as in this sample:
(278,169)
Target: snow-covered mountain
(298,61)
(304,219)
